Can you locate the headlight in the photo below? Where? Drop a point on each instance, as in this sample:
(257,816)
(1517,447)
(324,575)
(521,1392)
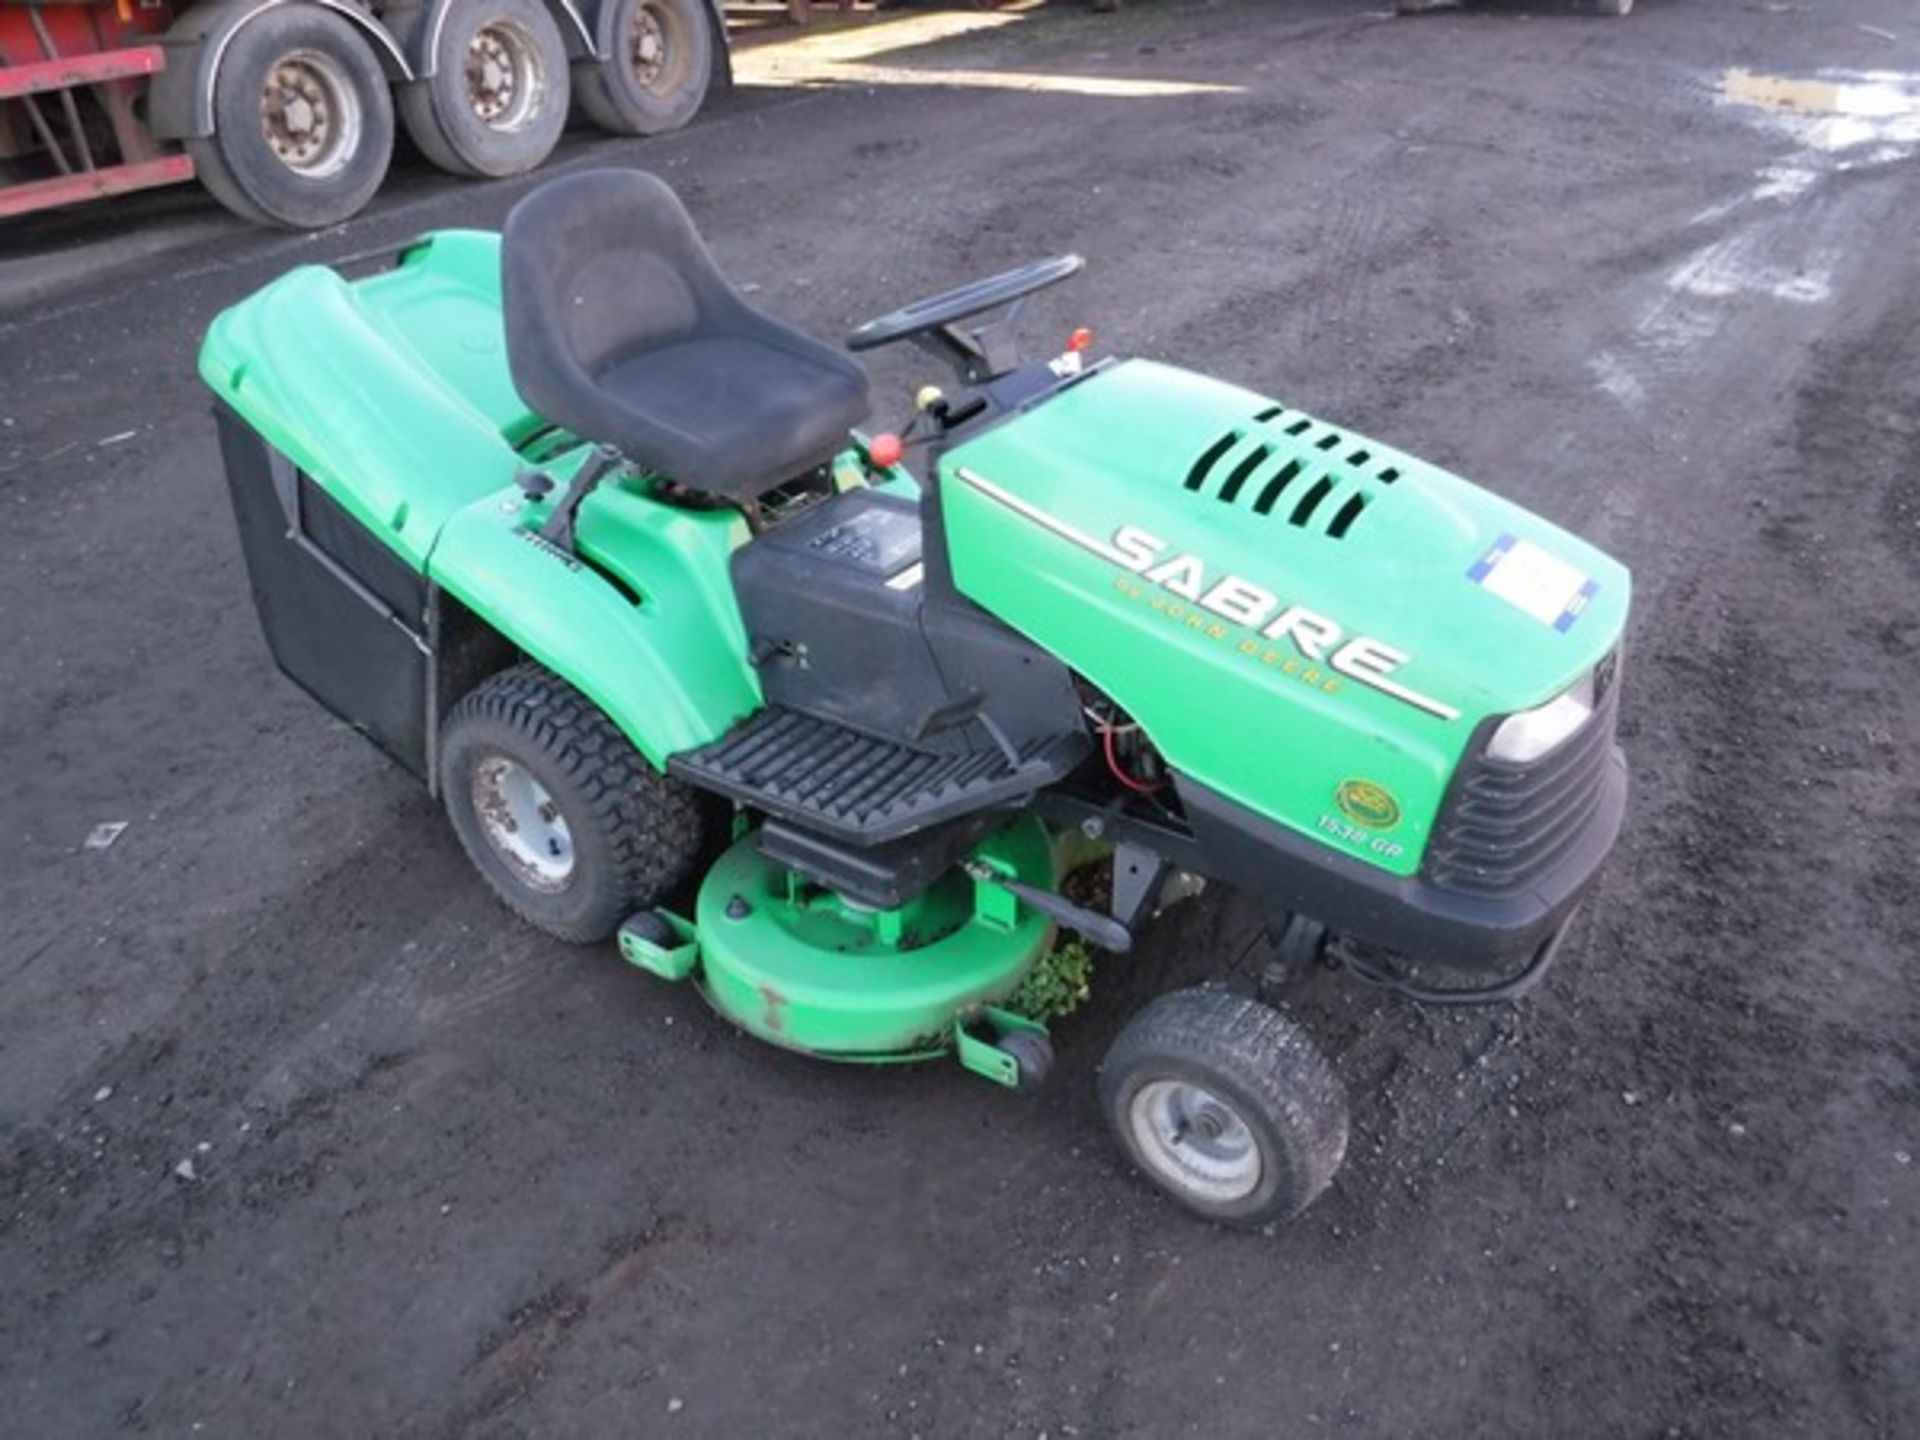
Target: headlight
(1532,733)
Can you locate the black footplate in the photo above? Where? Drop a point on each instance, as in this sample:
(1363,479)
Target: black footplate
(857,787)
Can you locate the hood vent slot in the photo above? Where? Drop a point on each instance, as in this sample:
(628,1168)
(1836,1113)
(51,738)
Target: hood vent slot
(1281,454)
(1310,501)
(1197,476)
(1230,491)
(1288,472)
(1346,515)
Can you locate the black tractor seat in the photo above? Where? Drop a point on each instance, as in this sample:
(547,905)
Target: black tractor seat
(621,329)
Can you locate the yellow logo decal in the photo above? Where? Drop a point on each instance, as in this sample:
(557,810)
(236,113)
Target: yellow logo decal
(1368,804)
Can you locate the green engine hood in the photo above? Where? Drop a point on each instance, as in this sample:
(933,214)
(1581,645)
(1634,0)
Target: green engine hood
(1285,605)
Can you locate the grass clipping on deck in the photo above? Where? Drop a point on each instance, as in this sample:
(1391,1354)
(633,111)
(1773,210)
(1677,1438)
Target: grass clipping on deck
(1059,984)
(1062,981)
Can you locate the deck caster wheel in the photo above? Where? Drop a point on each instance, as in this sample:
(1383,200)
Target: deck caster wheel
(1225,1104)
(656,71)
(303,122)
(1033,1053)
(652,927)
(569,824)
(497,100)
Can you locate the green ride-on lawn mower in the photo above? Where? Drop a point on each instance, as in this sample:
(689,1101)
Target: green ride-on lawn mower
(590,545)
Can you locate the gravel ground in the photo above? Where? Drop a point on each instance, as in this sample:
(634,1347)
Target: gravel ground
(301,1135)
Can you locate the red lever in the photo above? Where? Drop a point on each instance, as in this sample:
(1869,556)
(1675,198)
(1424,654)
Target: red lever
(885,450)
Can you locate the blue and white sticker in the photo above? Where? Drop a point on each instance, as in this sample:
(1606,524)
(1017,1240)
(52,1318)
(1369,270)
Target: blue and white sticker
(1534,580)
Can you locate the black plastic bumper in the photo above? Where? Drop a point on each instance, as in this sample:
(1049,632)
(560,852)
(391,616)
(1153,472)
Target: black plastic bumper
(1405,914)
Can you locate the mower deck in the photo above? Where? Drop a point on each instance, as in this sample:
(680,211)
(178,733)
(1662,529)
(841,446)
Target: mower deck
(807,969)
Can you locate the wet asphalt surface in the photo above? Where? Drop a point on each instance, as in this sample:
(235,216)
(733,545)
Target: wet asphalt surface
(450,1178)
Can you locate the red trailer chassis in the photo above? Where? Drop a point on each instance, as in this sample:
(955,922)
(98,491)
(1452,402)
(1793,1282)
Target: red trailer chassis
(71,80)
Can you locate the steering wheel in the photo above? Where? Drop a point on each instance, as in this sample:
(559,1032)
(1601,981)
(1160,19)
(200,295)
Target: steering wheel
(962,301)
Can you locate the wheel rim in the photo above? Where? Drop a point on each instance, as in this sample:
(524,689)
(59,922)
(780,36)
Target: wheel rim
(505,78)
(1194,1141)
(310,114)
(657,48)
(523,824)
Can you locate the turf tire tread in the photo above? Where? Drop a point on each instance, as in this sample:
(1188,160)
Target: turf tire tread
(1236,1042)
(658,832)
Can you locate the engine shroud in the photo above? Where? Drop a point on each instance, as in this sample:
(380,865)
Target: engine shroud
(1299,616)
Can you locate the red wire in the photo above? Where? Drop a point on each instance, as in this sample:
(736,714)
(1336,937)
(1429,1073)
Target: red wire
(1113,764)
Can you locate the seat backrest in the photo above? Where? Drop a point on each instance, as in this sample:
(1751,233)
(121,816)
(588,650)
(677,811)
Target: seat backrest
(596,266)
(622,330)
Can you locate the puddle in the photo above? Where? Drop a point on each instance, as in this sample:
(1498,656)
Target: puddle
(1837,110)
(1815,97)
(1778,241)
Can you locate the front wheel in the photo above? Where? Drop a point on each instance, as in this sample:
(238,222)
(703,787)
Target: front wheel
(303,123)
(1225,1104)
(658,64)
(569,824)
(497,100)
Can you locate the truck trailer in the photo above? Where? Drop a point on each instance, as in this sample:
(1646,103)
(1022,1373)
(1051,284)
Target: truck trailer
(287,110)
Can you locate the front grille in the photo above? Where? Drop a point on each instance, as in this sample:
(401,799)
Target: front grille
(1504,825)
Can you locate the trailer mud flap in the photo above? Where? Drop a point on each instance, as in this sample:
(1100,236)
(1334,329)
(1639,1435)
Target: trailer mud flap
(345,617)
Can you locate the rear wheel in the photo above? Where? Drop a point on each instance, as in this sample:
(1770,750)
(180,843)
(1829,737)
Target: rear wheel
(1225,1104)
(303,123)
(569,824)
(497,100)
(655,74)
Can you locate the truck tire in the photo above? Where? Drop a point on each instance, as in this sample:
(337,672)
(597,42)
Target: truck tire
(1226,1105)
(497,99)
(658,64)
(568,823)
(302,121)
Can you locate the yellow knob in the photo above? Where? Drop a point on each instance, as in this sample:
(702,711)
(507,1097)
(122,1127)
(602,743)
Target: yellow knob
(928,397)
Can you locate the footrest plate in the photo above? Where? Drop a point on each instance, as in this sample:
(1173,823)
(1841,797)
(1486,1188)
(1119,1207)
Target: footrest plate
(863,788)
